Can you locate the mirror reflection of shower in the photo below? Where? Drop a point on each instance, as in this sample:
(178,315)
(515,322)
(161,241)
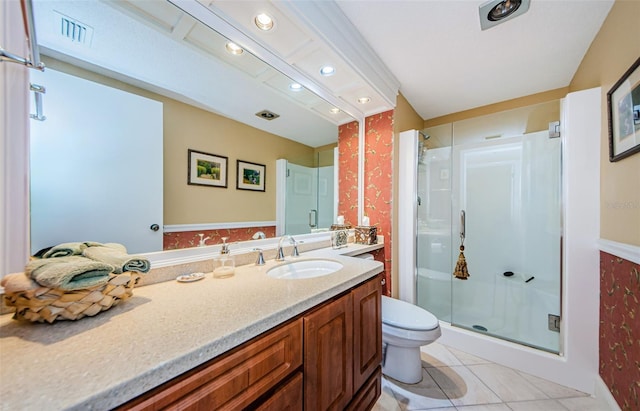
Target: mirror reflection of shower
(307,187)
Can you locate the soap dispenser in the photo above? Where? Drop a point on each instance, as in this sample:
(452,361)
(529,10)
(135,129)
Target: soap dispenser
(224,264)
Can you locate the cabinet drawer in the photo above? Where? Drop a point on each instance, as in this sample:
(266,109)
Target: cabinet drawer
(287,398)
(368,395)
(234,381)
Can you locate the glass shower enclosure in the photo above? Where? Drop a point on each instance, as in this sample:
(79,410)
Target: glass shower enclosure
(503,171)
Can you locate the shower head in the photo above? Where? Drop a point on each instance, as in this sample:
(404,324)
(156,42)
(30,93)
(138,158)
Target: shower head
(422,147)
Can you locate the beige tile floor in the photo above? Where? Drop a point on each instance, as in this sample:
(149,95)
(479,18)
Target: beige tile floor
(454,380)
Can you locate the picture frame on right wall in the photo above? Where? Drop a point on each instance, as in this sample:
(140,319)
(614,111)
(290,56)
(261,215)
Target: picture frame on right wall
(623,109)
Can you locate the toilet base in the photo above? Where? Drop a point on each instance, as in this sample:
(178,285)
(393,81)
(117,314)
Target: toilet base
(403,364)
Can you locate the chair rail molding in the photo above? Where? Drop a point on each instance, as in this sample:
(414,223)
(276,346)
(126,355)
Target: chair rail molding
(627,251)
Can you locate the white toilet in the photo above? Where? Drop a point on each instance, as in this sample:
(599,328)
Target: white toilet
(405,328)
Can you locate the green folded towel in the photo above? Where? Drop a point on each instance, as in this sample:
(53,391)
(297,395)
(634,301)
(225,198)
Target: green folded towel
(116,255)
(64,250)
(68,273)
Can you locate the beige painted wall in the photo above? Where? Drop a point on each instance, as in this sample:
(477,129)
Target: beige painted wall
(324,155)
(498,107)
(612,52)
(404,118)
(187,127)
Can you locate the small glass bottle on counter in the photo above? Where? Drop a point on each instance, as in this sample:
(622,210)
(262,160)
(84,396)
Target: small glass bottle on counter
(224,265)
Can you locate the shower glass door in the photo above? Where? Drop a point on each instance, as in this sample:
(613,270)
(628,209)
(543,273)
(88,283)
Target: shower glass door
(433,288)
(504,172)
(509,189)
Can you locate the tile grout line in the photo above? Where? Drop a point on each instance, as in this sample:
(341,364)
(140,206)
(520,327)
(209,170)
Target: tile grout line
(477,376)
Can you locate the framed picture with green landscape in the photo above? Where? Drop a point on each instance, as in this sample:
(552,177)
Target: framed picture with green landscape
(250,176)
(207,169)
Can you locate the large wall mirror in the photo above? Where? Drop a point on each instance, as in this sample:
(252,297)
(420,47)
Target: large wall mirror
(156,124)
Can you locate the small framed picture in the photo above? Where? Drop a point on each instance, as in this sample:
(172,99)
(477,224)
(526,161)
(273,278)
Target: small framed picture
(250,176)
(623,105)
(207,169)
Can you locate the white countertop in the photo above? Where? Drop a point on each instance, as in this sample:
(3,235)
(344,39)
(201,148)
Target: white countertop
(165,329)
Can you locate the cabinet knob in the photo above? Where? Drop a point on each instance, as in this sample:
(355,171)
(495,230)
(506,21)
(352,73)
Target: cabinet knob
(154,227)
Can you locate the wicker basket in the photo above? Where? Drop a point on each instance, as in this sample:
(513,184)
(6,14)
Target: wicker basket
(50,304)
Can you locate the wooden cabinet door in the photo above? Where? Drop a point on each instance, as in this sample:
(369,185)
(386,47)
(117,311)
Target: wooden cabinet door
(328,356)
(367,331)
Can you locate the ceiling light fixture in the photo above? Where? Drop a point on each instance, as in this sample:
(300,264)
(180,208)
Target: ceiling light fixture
(335,110)
(234,49)
(267,115)
(295,86)
(497,11)
(364,100)
(327,70)
(263,21)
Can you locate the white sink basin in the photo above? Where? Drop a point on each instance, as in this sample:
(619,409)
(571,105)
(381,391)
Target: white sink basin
(297,270)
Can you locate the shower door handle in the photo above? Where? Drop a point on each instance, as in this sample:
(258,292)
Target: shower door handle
(313,218)
(463,223)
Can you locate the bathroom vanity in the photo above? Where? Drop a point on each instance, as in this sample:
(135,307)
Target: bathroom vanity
(245,341)
(337,367)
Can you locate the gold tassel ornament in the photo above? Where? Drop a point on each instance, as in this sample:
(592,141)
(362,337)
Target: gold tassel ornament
(461,271)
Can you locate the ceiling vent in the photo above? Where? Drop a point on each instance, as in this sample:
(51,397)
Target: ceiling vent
(74,30)
(267,115)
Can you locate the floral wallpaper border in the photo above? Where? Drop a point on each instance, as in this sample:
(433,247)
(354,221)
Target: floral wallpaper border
(188,239)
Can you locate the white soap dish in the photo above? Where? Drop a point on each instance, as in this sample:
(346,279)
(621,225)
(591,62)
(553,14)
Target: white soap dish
(189,278)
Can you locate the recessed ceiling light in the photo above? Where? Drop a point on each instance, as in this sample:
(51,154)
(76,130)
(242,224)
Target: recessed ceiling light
(327,71)
(364,100)
(295,86)
(503,9)
(267,115)
(263,21)
(234,49)
(335,110)
(497,11)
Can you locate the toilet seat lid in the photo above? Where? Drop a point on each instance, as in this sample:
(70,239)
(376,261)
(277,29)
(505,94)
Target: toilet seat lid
(401,314)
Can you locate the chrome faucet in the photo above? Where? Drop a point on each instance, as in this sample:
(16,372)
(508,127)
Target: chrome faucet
(260,260)
(259,235)
(203,240)
(294,253)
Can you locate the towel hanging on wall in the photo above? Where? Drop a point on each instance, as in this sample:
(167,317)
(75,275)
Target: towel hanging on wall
(461,272)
